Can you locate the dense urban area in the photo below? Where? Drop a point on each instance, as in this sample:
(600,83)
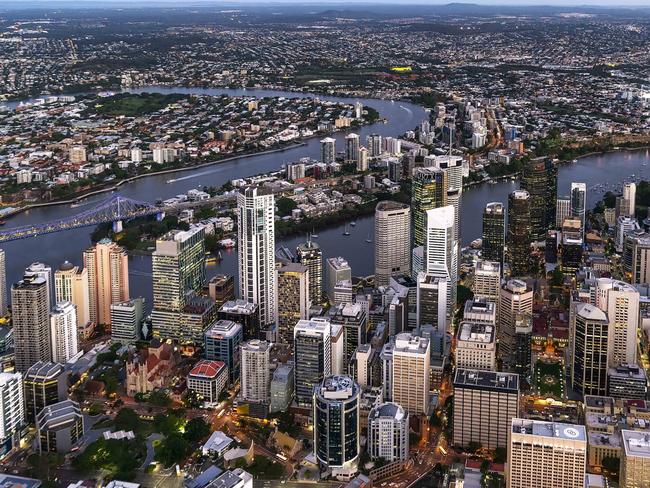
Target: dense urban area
(244,352)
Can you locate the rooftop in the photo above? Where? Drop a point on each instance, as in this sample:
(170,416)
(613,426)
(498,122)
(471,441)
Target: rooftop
(493,380)
(207,369)
(549,429)
(636,444)
(470,332)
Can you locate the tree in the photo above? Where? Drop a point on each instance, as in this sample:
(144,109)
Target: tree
(127,419)
(196,430)
(611,464)
(474,446)
(285,206)
(500,455)
(557,277)
(173,449)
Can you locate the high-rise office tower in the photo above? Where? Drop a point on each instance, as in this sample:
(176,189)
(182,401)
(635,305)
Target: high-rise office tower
(108,278)
(255,371)
(3,284)
(293,299)
(374,143)
(410,373)
(432,302)
(312,354)
(353,317)
(635,459)
(519,237)
(352,147)
(178,265)
(45,384)
(620,301)
(636,257)
(45,272)
(578,202)
(515,298)
(429,190)
(388,432)
(522,356)
(546,454)
(328,150)
(12,413)
(476,346)
(485,402)
(71,285)
(310,255)
(126,321)
(589,331)
(338,270)
(362,162)
(539,178)
(256,251)
(281,388)
(441,251)
(392,241)
(626,204)
(63,332)
(31,322)
(624,226)
(494,232)
(336,423)
(487,280)
(562,210)
(453,167)
(222,342)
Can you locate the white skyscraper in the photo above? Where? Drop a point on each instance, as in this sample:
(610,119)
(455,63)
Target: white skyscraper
(256,251)
(392,240)
(312,351)
(578,202)
(255,373)
(3,284)
(45,272)
(63,332)
(410,379)
(328,150)
(487,280)
(546,454)
(337,269)
(388,432)
(620,301)
(71,284)
(12,401)
(441,250)
(629,200)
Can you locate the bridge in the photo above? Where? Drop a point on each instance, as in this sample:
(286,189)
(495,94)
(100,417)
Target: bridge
(114,209)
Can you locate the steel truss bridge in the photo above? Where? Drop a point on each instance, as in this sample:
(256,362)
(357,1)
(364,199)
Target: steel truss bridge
(114,209)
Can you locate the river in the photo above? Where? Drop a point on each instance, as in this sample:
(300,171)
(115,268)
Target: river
(53,249)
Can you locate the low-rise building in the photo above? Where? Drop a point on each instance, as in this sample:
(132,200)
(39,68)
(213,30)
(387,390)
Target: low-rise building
(208,379)
(60,426)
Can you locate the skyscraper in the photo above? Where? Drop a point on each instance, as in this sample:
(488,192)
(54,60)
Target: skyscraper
(374,143)
(222,342)
(429,191)
(126,321)
(45,384)
(546,454)
(485,402)
(71,285)
(310,255)
(178,266)
(336,423)
(626,204)
(255,371)
(3,284)
(410,373)
(312,354)
(108,278)
(519,232)
(31,322)
(453,167)
(441,251)
(45,272)
(539,178)
(12,413)
(589,331)
(562,210)
(487,281)
(388,432)
(432,301)
(328,150)
(338,270)
(578,203)
(515,299)
(293,299)
(392,241)
(635,459)
(256,251)
(353,318)
(63,332)
(352,147)
(494,232)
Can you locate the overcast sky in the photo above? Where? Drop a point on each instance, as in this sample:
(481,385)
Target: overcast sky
(180,3)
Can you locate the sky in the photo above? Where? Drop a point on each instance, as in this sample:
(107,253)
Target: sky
(179,3)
